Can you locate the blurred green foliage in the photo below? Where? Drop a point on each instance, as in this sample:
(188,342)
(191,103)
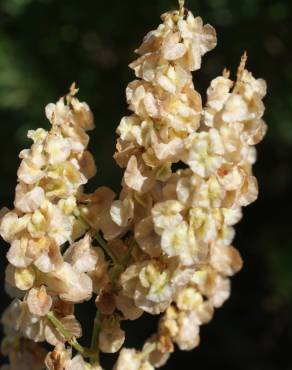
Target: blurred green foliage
(47,44)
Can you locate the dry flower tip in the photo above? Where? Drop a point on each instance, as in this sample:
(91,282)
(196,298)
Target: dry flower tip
(73,90)
(242,64)
(181,6)
(226,73)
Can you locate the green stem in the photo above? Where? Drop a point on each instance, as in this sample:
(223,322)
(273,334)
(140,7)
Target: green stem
(67,335)
(181,6)
(80,218)
(97,236)
(119,268)
(128,255)
(95,339)
(106,248)
(115,273)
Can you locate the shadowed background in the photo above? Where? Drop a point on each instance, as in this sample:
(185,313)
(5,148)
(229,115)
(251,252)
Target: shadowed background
(47,44)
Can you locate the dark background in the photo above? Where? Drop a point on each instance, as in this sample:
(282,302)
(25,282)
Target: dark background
(47,44)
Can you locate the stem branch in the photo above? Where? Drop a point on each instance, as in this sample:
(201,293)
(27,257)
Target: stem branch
(128,255)
(67,335)
(104,245)
(96,236)
(181,6)
(95,339)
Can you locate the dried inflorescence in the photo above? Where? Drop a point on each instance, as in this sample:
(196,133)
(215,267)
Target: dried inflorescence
(53,264)
(165,245)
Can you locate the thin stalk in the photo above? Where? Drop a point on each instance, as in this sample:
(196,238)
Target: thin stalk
(128,255)
(104,245)
(95,339)
(80,218)
(115,274)
(181,6)
(96,236)
(67,335)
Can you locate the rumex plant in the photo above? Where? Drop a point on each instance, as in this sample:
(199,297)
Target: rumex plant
(164,244)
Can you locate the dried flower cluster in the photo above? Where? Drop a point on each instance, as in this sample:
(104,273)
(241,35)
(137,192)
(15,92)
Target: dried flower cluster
(165,245)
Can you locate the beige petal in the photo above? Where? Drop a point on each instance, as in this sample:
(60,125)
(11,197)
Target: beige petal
(38,301)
